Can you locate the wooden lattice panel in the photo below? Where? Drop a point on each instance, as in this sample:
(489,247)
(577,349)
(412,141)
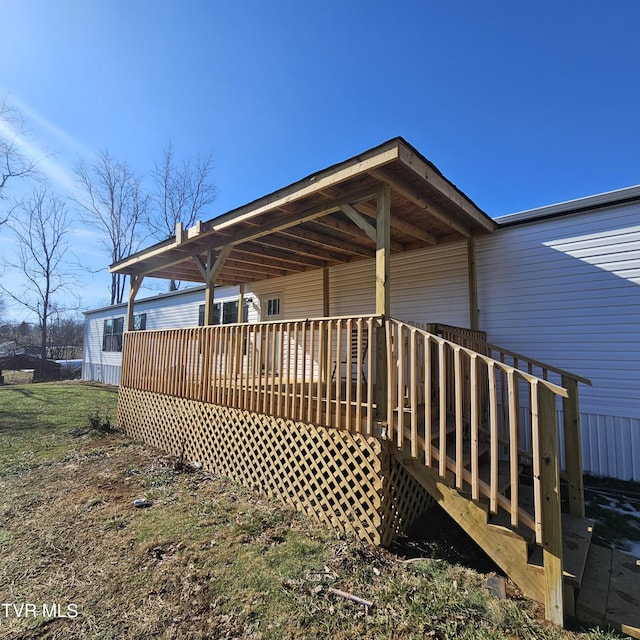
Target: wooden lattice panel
(405,499)
(332,475)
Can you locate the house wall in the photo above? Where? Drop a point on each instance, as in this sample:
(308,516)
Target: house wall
(163,312)
(566,291)
(563,290)
(429,285)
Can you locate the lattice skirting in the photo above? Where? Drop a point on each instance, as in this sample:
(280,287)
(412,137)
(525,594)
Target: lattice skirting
(348,481)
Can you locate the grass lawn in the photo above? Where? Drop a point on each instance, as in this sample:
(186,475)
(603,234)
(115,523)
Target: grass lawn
(207,558)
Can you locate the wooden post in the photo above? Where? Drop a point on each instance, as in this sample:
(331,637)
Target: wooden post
(573,447)
(474,320)
(134,287)
(326,304)
(383,297)
(550,514)
(212,270)
(241,304)
(383,251)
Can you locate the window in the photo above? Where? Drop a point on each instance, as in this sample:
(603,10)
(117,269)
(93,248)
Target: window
(140,322)
(224,313)
(112,334)
(272,307)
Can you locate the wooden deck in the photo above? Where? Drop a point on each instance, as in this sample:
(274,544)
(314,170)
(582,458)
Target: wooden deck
(474,426)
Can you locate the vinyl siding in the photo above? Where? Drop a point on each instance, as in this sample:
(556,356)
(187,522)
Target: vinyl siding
(163,312)
(565,291)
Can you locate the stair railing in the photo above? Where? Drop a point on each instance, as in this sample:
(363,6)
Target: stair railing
(571,462)
(454,441)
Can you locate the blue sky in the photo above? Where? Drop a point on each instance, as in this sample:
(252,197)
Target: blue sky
(519,104)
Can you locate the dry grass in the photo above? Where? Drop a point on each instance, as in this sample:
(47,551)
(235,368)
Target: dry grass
(207,559)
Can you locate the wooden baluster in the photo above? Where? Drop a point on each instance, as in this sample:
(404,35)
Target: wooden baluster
(370,349)
(400,386)
(442,444)
(458,385)
(338,375)
(327,375)
(413,393)
(427,401)
(348,372)
(359,375)
(475,426)
(573,447)
(493,437)
(514,446)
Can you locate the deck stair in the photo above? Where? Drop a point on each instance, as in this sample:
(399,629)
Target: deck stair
(600,585)
(482,429)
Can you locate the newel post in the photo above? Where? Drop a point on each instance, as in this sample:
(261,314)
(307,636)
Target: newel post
(383,298)
(550,513)
(573,447)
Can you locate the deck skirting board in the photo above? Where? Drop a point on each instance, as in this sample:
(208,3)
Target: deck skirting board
(348,481)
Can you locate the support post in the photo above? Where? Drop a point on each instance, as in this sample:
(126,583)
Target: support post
(474,320)
(326,306)
(383,297)
(209,293)
(241,304)
(573,447)
(212,270)
(134,286)
(550,505)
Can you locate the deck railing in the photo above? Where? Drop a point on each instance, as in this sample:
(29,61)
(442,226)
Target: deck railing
(319,371)
(455,442)
(570,437)
(451,406)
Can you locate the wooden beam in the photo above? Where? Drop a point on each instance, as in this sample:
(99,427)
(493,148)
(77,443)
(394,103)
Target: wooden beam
(180,234)
(327,242)
(474,320)
(277,241)
(383,252)
(550,513)
(326,303)
(359,221)
(290,256)
(441,184)
(241,304)
(573,447)
(412,195)
(401,225)
(134,287)
(163,254)
(202,267)
(383,300)
(213,269)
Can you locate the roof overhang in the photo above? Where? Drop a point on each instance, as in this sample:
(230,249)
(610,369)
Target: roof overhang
(320,221)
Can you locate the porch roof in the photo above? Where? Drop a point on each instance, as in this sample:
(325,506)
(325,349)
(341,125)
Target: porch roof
(325,219)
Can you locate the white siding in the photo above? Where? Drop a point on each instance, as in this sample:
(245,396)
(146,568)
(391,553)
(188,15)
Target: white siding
(163,312)
(565,291)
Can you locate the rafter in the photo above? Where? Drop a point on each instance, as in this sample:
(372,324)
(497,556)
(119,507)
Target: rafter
(412,195)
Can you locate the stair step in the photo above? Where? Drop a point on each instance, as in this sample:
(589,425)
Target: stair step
(609,593)
(504,475)
(576,543)
(576,540)
(502,520)
(483,447)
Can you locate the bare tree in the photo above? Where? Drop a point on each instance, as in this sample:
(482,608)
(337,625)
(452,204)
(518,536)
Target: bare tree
(41,225)
(180,193)
(13,163)
(116,206)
